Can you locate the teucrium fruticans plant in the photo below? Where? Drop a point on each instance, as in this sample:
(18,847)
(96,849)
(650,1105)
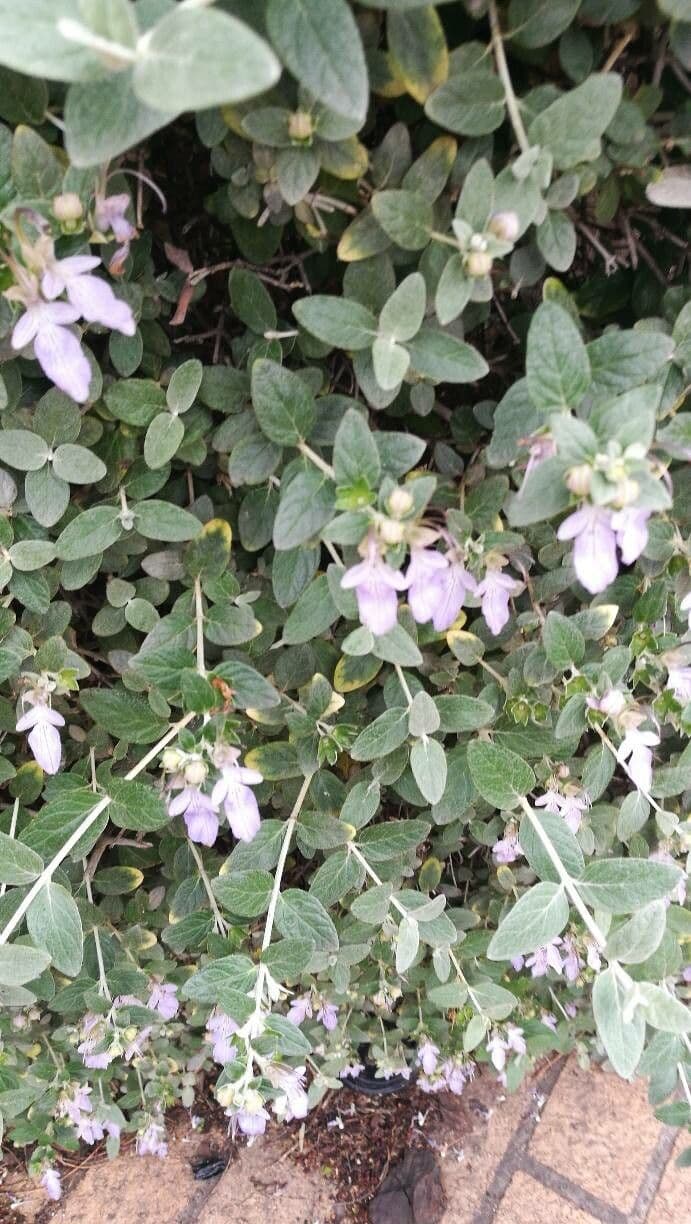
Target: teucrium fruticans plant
(344,613)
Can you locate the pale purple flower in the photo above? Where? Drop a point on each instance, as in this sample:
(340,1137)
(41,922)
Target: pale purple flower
(74,1106)
(540,447)
(109,215)
(635,752)
(44,737)
(544,958)
(498,1047)
(351,1070)
(631,526)
(612,703)
(685,606)
(152,1141)
(456,1074)
(291,1082)
(328,1014)
(551,801)
(300,1009)
(163,999)
(508,849)
(593,958)
(549,1020)
(56,349)
(572,963)
(595,546)
(572,809)
(455,583)
(94,1033)
(91,296)
(232,790)
(679,681)
(220,1029)
(425,579)
(427,1053)
(89,1129)
(494,591)
(199,813)
(50,1180)
(135,1047)
(375,584)
(686,977)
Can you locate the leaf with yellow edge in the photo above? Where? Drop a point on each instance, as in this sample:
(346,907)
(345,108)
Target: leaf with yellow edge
(363,237)
(208,555)
(418,50)
(353,672)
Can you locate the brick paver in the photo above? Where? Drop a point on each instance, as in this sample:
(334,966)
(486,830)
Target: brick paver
(527,1201)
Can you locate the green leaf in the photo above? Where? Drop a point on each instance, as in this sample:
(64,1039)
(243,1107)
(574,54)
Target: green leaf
(123,715)
(251,301)
(382,736)
(390,362)
(288,958)
(244,892)
(339,322)
(319,42)
(33,44)
(417,45)
(136,805)
(460,713)
(20,964)
(561,838)
(312,615)
(470,103)
(249,687)
(27,555)
(623,1039)
(445,358)
(493,1000)
(188,933)
(563,641)
(402,315)
(407,943)
(23,449)
(637,938)
(539,22)
(305,507)
(54,925)
(620,360)
(162,520)
(59,819)
(283,404)
(405,216)
(162,441)
(90,533)
(385,841)
(428,763)
(663,1011)
(556,240)
(105,118)
(537,917)
(557,365)
(449,995)
(570,129)
(624,885)
(542,495)
(338,875)
(501,776)
(118,881)
(372,906)
(36,169)
(136,401)
(77,465)
(18,864)
(299,915)
(355,455)
(276,761)
(202,58)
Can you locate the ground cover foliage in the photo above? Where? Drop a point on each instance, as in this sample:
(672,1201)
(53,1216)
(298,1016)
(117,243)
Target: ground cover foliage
(345,578)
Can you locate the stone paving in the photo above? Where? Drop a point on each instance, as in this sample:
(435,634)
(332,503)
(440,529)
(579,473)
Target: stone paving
(572,1147)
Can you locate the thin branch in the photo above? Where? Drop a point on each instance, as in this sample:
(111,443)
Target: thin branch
(505,76)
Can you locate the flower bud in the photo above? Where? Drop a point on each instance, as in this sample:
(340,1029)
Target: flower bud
(579,479)
(67,208)
(478,263)
(171,760)
(504,225)
(195,773)
(399,503)
(300,126)
(627,491)
(225,1095)
(391,531)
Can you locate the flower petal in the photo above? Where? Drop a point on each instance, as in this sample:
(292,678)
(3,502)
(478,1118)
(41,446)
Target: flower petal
(60,356)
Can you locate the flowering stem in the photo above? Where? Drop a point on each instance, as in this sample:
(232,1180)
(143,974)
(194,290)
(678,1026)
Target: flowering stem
(276,890)
(503,70)
(404,684)
(608,744)
(85,825)
(102,982)
(220,923)
(116,53)
(569,884)
(317,460)
(13,830)
(199,617)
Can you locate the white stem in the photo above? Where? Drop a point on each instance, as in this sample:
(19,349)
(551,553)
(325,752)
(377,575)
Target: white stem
(505,76)
(199,617)
(404,684)
(317,460)
(102,983)
(74,31)
(85,825)
(221,924)
(569,884)
(684,1083)
(13,830)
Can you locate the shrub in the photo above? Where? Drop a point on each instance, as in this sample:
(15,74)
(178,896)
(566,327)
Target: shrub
(345,658)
